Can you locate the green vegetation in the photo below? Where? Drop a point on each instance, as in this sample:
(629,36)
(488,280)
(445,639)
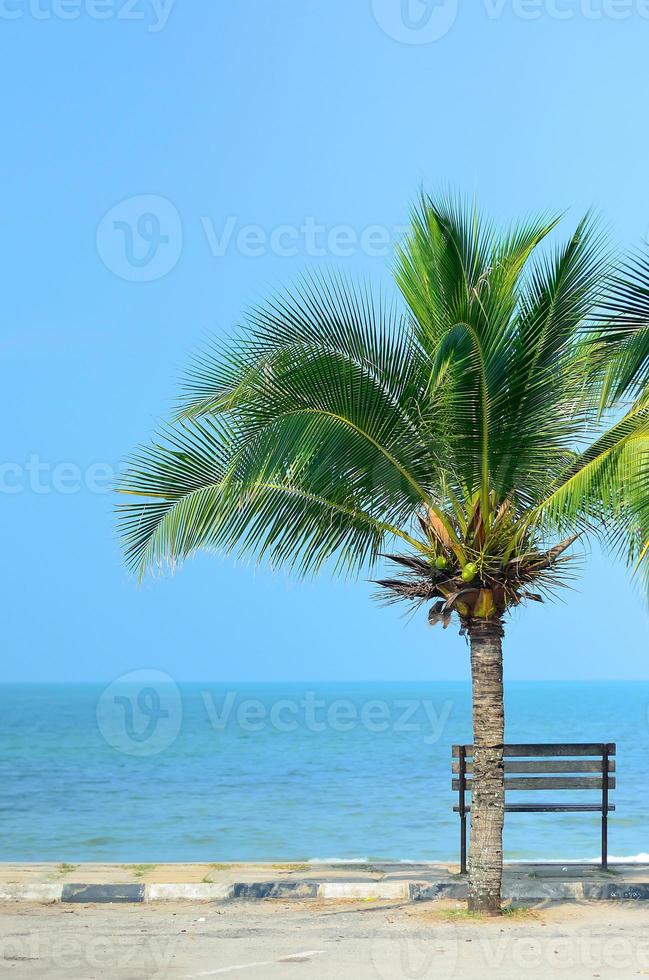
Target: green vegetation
(291,867)
(65,868)
(140,870)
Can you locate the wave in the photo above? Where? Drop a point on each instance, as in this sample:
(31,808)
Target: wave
(641,858)
(339,861)
(612,859)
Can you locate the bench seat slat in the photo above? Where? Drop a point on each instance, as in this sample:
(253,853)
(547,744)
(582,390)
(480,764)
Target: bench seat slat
(551,765)
(548,749)
(547,808)
(527,783)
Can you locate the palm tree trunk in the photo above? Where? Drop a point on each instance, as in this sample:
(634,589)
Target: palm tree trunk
(488,797)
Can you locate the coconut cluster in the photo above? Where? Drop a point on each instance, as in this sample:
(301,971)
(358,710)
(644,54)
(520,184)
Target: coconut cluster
(472,590)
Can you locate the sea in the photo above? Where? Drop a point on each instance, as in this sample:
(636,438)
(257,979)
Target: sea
(145,770)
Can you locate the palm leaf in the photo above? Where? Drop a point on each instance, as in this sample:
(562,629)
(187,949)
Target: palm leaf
(468,425)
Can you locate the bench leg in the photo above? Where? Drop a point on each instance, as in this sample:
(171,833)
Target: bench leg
(605,756)
(463,844)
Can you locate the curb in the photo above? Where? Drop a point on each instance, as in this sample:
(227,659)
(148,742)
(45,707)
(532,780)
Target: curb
(365,890)
(203,892)
(409,891)
(102,893)
(45,894)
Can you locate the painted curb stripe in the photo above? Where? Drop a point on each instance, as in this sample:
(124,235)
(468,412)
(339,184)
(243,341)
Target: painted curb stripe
(102,893)
(384,889)
(202,892)
(45,893)
(414,891)
(425,891)
(520,892)
(259,890)
(612,892)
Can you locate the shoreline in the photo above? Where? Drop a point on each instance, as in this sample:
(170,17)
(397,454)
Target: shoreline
(640,859)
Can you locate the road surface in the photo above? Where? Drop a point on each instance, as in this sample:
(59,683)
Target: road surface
(319,941)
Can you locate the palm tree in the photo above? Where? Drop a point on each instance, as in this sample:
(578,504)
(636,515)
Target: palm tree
(461,436)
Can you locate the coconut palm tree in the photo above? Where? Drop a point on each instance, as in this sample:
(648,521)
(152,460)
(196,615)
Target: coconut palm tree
(458,435)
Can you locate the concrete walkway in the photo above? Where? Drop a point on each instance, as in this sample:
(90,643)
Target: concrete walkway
(321,941)
(84,883)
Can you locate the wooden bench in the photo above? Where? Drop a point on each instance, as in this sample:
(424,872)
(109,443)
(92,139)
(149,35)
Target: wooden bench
(523,763)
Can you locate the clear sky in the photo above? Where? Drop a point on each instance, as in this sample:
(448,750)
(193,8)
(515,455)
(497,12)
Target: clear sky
(166,164)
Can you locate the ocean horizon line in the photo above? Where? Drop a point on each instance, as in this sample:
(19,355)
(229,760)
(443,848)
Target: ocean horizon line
(337,681)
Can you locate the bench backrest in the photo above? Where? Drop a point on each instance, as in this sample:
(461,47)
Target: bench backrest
(545,766)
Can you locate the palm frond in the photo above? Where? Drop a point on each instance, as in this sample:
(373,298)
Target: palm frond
(196,496)
(627,335)
(467,426)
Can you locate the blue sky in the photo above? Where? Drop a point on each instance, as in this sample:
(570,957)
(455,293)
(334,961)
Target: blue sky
(165,165)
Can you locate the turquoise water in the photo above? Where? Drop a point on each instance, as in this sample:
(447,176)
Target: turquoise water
(144,771)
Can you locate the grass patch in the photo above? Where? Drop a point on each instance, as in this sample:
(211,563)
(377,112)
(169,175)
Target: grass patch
(520,912)
(290,867)
(139,870)
(462,914)
(64,868)
(457,915)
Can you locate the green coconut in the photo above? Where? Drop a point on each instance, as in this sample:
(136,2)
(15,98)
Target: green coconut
(469,572)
